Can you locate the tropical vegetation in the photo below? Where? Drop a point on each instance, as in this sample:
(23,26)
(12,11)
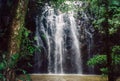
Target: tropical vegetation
(105,18)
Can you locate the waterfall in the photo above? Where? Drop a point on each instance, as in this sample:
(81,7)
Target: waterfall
(58,37)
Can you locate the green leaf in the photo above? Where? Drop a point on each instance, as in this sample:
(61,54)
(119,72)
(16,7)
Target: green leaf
(26,34)
(97,59)
(115,2)
(31,49)
(13,60)
(99,21)
(15,57)
(2,66)
(104,71)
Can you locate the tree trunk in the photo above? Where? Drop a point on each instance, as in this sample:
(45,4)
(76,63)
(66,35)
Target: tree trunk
(18,13)
(107,41)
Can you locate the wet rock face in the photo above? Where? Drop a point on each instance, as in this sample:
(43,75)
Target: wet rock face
(85,38)
(46,26)
(91,42)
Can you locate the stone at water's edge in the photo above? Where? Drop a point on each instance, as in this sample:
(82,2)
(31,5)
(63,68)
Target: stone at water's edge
(69,77)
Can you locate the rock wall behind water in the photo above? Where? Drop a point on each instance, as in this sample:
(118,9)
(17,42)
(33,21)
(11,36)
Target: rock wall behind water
(61,38)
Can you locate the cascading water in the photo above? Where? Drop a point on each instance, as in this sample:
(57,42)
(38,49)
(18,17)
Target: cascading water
(58,37)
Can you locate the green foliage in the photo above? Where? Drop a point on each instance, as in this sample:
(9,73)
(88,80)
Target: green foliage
(115,2)
(27,49)
(116,55)
(2,66)
(97,59)
(65,5)
(104,71)
(55,3)
(13,60)
(59,4)
(101,60)
(98,8)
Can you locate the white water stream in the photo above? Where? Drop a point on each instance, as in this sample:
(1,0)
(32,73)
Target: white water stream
(58,35)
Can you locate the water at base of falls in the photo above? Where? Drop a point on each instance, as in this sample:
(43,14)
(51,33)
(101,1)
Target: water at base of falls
(58,37)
